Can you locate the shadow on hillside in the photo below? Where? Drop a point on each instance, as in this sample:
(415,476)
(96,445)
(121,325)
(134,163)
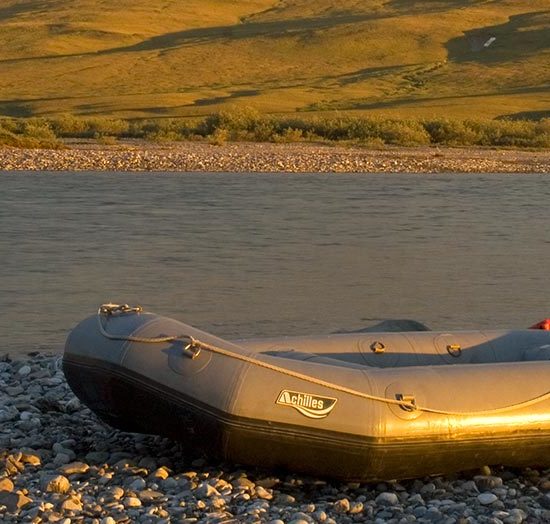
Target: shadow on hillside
(370,72)
(190,37)
(221,99)
(522,36)
(15,108)
(433,6)
(398,102)
(526,115)
(273,29)
(12,11)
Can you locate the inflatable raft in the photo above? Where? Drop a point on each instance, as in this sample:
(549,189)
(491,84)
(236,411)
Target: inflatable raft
(361,406)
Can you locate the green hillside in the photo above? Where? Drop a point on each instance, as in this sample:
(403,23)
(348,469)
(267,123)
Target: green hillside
(398,58)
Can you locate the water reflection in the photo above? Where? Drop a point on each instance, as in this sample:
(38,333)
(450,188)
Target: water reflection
(245,255)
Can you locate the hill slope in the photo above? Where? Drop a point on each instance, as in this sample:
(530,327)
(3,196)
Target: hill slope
(137,58)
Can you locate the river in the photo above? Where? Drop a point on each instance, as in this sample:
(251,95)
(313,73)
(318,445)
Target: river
(271,254)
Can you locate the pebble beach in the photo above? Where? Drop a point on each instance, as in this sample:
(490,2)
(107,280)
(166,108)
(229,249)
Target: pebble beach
(270,157)
(59,463)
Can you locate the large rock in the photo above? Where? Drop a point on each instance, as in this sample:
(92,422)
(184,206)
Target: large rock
(387,499)
(73,468)
(55,484)
(6,485)
(487,498)
(205,490)
(72,504)
(13,501)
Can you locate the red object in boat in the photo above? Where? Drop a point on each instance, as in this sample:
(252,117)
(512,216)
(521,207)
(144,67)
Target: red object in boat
(543,324)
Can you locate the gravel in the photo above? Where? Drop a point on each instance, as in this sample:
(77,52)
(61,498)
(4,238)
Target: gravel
(267,157)
(59,463)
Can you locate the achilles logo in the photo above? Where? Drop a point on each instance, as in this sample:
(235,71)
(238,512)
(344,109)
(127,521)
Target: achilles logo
(312,406)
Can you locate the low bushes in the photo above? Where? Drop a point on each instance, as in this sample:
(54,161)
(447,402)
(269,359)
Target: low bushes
(28,133)
(247,124)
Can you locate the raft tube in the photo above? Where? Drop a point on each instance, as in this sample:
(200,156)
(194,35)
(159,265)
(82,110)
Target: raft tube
(356,406)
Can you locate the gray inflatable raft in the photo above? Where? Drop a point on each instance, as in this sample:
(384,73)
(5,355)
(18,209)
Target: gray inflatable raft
(362,406)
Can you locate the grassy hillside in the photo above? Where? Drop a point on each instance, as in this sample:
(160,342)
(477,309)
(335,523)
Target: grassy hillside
(397,58)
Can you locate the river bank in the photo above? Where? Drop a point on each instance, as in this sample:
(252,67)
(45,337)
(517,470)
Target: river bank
(135,155)
(59,463)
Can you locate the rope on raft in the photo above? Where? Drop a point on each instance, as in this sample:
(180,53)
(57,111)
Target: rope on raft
(194,347)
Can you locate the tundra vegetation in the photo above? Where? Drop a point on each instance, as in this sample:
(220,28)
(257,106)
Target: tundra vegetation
(457,72)
(246,124)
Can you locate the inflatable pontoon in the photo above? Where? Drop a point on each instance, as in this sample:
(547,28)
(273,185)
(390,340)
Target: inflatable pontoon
(355,406)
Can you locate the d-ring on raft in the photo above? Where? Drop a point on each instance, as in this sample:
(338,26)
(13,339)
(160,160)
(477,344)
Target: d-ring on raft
(355,406)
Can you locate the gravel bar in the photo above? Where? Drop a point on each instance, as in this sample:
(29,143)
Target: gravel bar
(268,157)
(59,463)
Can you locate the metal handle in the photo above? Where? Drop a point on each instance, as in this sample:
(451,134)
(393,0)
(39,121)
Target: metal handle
(378,347)
(409,402)
(454,350)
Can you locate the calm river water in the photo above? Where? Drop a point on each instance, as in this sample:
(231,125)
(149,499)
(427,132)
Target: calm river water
(254,254)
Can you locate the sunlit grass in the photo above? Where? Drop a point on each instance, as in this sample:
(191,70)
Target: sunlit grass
(394,58)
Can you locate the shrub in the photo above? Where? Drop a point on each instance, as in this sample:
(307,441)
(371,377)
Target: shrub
(403,133)
(218,137)
(98,127)
(30,133)
(451,132)
(245,123)
(289,134)
(68,126)
(239,122)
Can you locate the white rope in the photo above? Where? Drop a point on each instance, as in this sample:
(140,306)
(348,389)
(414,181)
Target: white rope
(195,346)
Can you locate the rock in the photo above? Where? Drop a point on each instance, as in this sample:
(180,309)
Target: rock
(487,498)
(387,499)
(132,502)
(31,459)
(516,516)
(148,495)
(284,498)
(263,493)
(427,489)
(161,473)
(24,371)
(13,501)
(268,482)
(299,516)
(137,485)
(487,483)
(73,468)
(72,504)
(14,391)
(55,484)
(61,458)
(97,457)
(12,464)
(73,405)
(116,492)
(341,505)
(205,490)
(243,482)
(217,503)
(170,484)
(108,520)
(6,485)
